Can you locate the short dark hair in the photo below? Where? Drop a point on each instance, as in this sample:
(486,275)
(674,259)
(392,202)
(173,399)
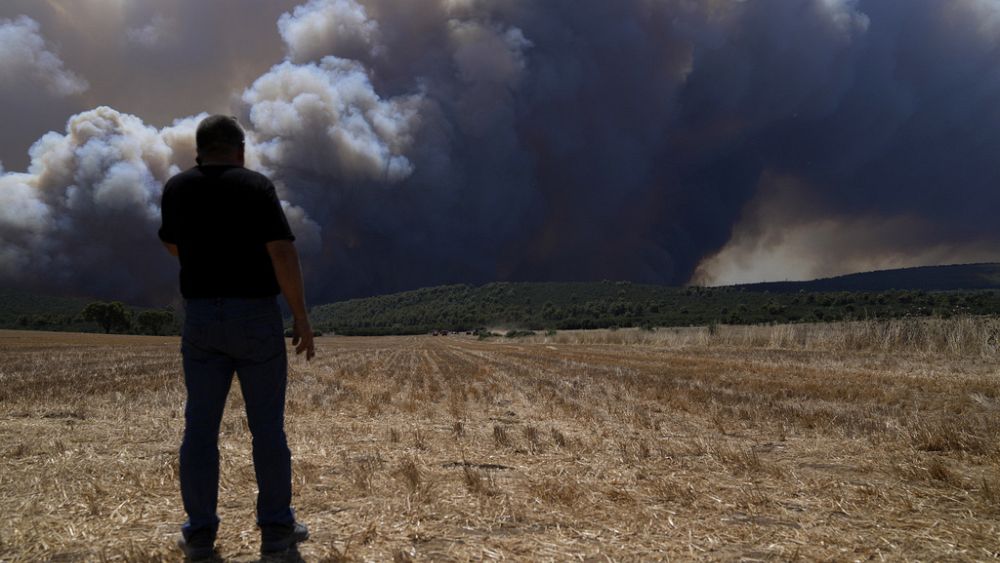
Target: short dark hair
(218,134)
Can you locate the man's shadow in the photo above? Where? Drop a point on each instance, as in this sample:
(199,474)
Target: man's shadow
(290,556)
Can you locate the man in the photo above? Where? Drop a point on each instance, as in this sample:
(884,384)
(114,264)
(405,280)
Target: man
(236,253)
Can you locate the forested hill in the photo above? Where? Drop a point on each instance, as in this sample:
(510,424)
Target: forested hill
(545,306)
(941,290)
(17,304)
(927,278)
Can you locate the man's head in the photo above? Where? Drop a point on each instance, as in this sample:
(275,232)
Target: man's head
(220,140)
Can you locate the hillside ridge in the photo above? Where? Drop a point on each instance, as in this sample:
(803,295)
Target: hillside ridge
(920,291)
(951,277)
(926,291)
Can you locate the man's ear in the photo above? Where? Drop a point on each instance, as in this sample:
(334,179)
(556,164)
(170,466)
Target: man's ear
(197,160)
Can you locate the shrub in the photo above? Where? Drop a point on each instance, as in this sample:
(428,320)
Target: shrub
(520,333)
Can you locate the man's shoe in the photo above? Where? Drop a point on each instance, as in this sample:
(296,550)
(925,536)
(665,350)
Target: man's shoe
(198,548)
(278,539)
(300,532)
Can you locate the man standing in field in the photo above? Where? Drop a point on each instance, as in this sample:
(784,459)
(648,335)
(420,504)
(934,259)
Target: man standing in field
(236,253)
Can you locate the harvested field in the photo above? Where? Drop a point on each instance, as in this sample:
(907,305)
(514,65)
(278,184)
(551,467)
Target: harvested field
(845,442)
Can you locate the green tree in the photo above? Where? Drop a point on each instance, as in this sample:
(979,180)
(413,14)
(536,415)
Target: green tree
(153,322)
(109,316)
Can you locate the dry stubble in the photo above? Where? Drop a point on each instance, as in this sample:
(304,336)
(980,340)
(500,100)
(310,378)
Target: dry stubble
(625,446)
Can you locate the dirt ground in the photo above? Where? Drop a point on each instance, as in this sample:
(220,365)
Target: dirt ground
(570,447)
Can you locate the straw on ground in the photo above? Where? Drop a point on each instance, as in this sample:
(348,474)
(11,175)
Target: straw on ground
(851,441)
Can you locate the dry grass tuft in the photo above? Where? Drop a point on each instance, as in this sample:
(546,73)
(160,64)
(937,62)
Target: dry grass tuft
(564,492)
(533,439)
(558,438)
(939,471)
(989,491)
(409,474)
(740,459)
(363,472)
(479,482)
(500,436)
(419,439)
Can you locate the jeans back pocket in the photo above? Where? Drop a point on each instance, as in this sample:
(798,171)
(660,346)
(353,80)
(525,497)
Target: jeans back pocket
(262,339)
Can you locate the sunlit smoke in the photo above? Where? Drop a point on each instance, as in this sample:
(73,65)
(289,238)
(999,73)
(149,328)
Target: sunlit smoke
(326,118)
(26,56)
(322,28)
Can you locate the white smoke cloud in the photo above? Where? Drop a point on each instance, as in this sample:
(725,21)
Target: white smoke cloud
(834,246)
(308,233)
(154,34)
(488,54)
(26,57)
(329,27)
(845,15)
(72,218)
(327,119)
(107,163)
(490,61)
(20,208)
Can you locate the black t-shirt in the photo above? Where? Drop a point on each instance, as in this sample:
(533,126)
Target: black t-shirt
(221,217)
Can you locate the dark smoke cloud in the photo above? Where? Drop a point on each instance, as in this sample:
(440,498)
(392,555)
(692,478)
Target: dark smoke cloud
(899,154)
(437,141)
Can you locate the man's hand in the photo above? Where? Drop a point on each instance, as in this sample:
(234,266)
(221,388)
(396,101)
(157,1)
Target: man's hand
(302,338)
(285,260)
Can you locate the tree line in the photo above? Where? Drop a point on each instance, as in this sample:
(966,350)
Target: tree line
(541,307)
(107,316)
(564,306)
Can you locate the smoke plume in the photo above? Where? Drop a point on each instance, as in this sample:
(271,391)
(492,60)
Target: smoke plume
(26,56)
(442,141)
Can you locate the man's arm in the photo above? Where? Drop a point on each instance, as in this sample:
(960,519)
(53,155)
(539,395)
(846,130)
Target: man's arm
(285,260)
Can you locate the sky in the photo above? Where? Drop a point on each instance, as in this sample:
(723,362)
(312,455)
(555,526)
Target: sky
(431,142)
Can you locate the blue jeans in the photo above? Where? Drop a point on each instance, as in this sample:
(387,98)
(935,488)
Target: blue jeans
(245,336)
